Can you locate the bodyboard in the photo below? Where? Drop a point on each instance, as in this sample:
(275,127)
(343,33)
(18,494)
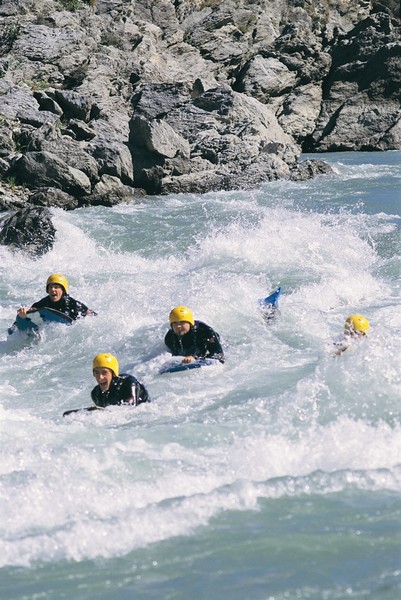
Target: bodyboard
(271,300)
(49,315)
(80,410)
(269,305)
(26,326)
(175,367)
(31,329)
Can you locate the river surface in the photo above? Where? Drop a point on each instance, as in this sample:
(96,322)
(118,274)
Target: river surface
(276,476)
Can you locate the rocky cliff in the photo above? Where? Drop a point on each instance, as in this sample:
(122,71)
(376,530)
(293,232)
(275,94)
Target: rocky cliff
(104,100)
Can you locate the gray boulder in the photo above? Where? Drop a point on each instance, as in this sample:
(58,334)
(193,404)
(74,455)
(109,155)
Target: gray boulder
(53,197)
(30,230)
(50,139)
(109,191)
(360,108)
(188,95)
(20,103)
(222,138)
(43,169)
(308,169)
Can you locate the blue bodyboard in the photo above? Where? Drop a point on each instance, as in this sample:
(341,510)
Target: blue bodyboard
(31,329)
(174,367)
(269,305)
(49,315)
(27,326)
(271,300)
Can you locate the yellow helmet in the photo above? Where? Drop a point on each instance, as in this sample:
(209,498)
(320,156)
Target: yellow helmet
(181,313)
(57,278)
(357,323)
(108,361)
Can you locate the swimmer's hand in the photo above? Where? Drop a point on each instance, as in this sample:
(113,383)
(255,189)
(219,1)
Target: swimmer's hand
(23,311)
(188,359)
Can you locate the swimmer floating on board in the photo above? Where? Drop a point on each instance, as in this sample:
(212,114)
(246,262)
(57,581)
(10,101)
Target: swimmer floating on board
(356,327)
(112,388)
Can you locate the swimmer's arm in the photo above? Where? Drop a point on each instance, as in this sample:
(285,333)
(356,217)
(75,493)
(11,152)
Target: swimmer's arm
(23,311)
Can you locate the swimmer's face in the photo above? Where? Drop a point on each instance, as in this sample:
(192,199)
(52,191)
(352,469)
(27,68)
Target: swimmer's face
(180,327)
(103,376)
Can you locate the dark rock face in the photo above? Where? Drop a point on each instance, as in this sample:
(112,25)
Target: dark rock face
(307,169)
(361,97)
(110,100)
(53,197)
(30,230)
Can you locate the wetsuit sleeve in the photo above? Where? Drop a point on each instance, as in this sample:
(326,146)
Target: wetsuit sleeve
(141,393)
(96,396)
(209,342)
(76,309)
(42,303)
(169,341)
(133,390)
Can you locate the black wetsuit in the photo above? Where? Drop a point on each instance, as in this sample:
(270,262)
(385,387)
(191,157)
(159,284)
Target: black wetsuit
(201,341)
(121,389)
(66,305)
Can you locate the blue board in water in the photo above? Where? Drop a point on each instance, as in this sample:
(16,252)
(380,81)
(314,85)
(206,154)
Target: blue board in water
(269,305)
(174,367)
(26,326)
(31,329)
(49,315)
(271,300)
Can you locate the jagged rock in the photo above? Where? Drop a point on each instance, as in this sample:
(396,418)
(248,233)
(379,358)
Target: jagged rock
(74,104)
(110,191)
(12,197)
(6,138)
(218,38)
(4,166)
(190,95)
(43,169)
(112,156)
(300,110)
(237,137)
(156,100)
(50,139)
(264,78)
(19,103)
(30,230)
(52,197)
(9,200)
(196,183)
(361,104)
(158,137)
(15,7)
(47,103)
(42,43)
(308,169)
(81,130)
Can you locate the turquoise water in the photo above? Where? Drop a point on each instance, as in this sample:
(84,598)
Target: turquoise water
(275,476)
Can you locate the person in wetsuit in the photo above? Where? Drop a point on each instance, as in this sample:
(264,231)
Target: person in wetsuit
(191,339)
(113,388)
(58,299)
(356,327)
